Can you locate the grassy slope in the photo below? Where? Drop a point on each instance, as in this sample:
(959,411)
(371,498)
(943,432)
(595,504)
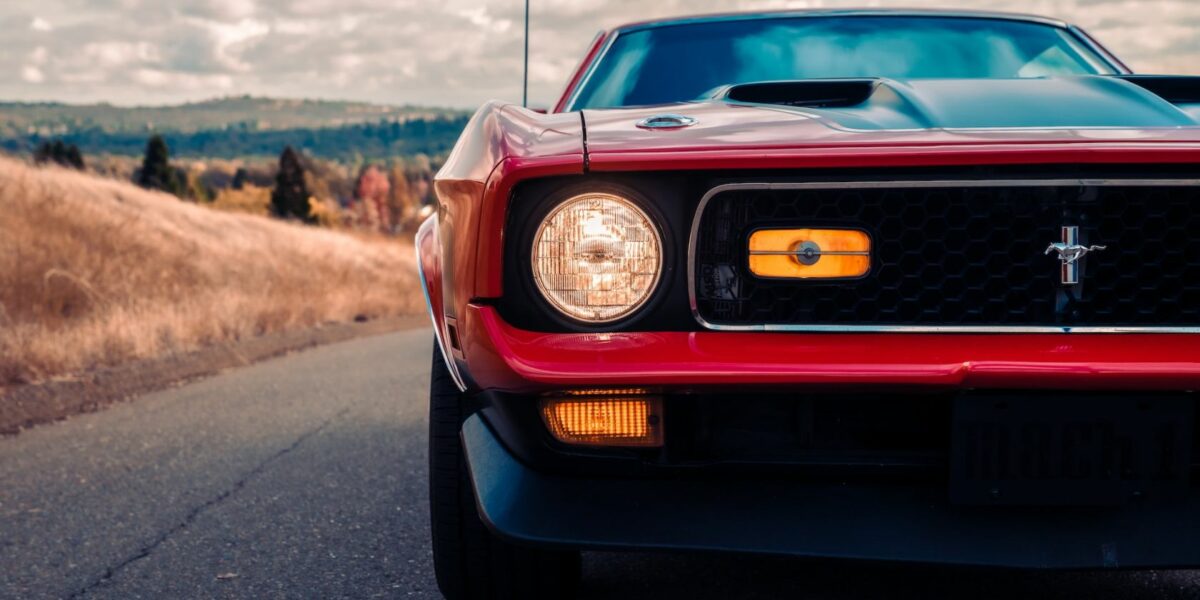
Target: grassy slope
(95,272)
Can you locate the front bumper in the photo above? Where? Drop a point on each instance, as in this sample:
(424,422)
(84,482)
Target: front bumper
(788,516)
(498,356)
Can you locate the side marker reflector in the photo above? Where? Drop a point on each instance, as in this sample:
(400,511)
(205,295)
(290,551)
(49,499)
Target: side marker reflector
(604,418)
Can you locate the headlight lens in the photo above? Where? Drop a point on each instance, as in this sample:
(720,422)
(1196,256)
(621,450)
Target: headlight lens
(597,257)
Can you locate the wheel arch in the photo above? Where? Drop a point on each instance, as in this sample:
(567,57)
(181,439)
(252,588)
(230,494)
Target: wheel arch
(429,271)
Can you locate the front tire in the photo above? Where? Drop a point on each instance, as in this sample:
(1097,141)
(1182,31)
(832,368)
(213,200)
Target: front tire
(469,561)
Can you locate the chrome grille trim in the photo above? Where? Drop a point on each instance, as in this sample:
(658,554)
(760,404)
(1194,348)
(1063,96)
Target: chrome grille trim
(915,184)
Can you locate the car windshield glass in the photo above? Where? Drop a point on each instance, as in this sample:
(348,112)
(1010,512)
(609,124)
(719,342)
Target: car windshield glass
(681,62)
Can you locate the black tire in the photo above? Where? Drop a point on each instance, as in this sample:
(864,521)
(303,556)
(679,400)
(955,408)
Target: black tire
(470,562)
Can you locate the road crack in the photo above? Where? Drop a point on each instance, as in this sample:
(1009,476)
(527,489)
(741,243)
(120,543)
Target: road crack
(200,509)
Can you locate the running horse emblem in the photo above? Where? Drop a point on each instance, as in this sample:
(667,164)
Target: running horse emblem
(1070,252)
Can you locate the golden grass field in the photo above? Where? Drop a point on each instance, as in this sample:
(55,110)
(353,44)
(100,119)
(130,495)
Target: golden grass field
(96,272)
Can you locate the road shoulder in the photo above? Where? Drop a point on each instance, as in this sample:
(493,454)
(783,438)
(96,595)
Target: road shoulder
(26,406)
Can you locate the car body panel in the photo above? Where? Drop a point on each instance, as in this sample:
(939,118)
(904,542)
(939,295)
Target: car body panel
(1118,122)
(532,489)
(509,359)
(501,145)
(478,207)
(605,38)
(842,12)
(577,75)
(794,517)
(916,121)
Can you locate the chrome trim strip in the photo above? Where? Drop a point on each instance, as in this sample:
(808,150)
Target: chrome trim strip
(833,185)
(455,376)
(1086,39)
(817,253)
(591,69)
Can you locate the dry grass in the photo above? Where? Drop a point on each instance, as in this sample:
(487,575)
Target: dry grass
(96,272)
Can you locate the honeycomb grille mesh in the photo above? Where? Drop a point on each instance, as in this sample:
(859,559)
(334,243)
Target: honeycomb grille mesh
(962,256)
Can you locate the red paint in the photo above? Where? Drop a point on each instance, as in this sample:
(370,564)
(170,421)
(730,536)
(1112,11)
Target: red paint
(504,145)
(918,155)
(735,129)
(503,357)
(431,269)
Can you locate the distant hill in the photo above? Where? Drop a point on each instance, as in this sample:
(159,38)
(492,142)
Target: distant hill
(376,140)
(236,128)
(244,113)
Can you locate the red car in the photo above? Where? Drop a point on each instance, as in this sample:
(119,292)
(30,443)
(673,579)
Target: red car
(886,285)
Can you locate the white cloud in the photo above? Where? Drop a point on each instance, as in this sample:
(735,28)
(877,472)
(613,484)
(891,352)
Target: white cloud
(447,52)
(229,39)
(479,17)
(32,74)
(39,55)
(118,54)
(154,78)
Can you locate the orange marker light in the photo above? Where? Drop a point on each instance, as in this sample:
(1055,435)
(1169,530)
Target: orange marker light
(810,253)
(604,418)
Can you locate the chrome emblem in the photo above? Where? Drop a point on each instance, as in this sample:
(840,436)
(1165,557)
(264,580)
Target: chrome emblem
(1070,252)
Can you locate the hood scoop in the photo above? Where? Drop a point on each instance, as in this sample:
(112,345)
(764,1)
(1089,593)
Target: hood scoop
(1078,102)
(812,93)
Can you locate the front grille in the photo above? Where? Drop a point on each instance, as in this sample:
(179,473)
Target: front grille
(963,254)
(844,429)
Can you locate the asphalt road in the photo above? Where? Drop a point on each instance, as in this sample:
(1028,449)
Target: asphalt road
(304,477)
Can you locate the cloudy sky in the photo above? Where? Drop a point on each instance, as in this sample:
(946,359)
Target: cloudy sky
(435,52)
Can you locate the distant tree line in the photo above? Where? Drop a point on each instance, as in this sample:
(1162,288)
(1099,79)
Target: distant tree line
(59,153)
(388,197)
(350,142)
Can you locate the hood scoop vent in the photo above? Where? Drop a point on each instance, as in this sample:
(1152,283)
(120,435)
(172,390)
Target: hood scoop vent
(810,93)
(1172,88)
(1077,102)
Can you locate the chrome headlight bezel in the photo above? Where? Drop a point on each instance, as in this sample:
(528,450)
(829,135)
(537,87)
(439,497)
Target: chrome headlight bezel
(643,296)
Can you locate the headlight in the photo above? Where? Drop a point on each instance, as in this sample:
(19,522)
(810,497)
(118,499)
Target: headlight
(597,257)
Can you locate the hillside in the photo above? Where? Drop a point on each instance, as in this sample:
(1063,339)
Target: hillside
(234,128)
(244,113)
(348,143)
(95,272)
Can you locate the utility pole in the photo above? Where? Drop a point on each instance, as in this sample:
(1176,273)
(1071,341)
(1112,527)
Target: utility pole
(525,77)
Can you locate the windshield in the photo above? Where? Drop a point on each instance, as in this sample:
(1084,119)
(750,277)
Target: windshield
(676,63)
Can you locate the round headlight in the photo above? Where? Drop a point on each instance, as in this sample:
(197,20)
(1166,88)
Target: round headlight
(597,257)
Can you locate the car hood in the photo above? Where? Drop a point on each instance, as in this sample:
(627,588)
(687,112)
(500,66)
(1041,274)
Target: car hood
(890,112)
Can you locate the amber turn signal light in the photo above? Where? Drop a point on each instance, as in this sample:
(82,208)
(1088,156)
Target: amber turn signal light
(605,418)
(810,253)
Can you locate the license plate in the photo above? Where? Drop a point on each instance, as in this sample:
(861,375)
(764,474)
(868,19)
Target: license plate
(1048,451)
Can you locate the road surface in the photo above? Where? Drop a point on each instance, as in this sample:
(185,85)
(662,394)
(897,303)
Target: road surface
(304,477)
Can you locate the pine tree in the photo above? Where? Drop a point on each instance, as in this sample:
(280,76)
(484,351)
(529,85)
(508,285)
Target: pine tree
(290,198)
(43,154)
(59,153)
(74,158)
(239,178)
(156,172)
